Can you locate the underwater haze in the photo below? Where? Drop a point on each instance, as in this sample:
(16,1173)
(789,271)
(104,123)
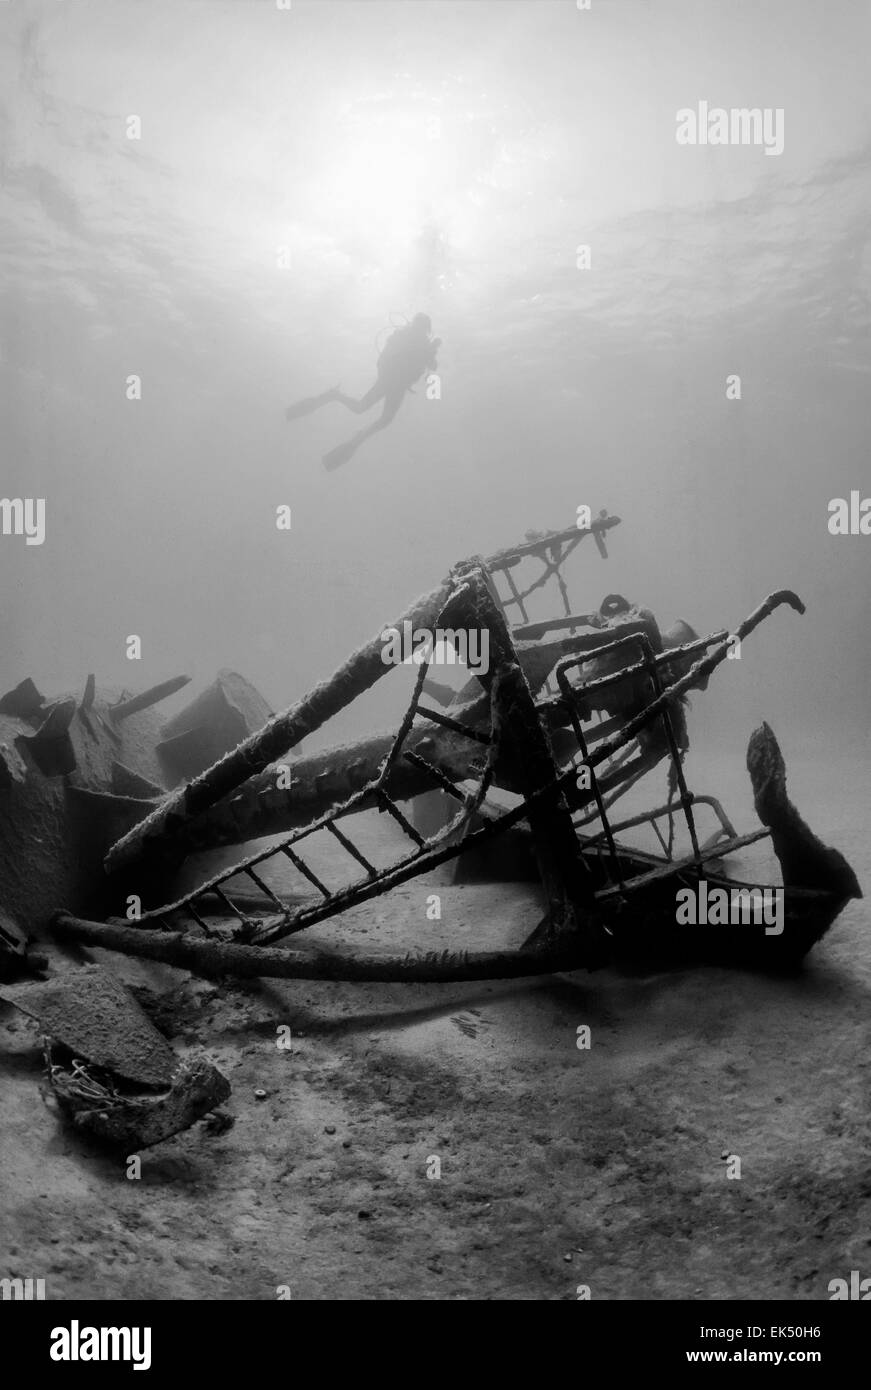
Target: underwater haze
(234,202)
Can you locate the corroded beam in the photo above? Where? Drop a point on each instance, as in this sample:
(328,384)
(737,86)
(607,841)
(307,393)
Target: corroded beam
(152,841)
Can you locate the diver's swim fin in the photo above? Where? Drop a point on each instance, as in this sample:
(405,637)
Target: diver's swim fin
(342,452)
(295,412)
(336,457)
(309,404)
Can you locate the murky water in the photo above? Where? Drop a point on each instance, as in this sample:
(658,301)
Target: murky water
(296,177)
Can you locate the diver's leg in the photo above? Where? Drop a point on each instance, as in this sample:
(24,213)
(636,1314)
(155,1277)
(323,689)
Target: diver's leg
(391,405)
(310,404)
(345,451)
(361,405)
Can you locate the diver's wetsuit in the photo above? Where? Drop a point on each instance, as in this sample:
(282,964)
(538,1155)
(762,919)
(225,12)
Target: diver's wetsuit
(407,354)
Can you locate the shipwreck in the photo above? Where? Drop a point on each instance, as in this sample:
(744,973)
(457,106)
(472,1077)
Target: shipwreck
(102,804)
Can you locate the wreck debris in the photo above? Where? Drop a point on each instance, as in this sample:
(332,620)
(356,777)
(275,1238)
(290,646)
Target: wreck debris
(25,701)
(219,718)
(12,766)
(214,959)
(638,878)
(16,956)
(136,1121)
(71,786)
(806,862)
(153,696)
(89,694)
(126,782)
(153,837)
(608,699)
(569,714)
(109,1067)
(553,784)
(51,745)
(91,1013)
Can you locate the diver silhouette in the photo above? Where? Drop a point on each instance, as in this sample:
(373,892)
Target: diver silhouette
(408,353)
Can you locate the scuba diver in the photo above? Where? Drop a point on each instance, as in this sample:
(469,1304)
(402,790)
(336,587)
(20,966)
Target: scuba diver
(408,353)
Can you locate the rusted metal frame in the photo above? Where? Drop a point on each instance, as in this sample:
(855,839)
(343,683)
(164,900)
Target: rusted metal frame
(616,783)
(265,889)
(698,672)
(578,728)
(183,950)
(392,809)
(259,808)
(472,804)
(515,594)
(374,790)
(366,794)
(552,567)
(153,837)
(531,632)
(352,849)
(555,714)
(664,658)
(680,866)
(564,593)
(440,853)
(222,896)
(501,559)
(360,800)
(304,870)
(531,765)
(649,665)
(676,759)
(414,705)
(407,721)
(306,916)
(410,868)
(727,828)
(667,845)
(200,921)
(436,717)
(726,831)
(385,802)
(528,758)
(444,782)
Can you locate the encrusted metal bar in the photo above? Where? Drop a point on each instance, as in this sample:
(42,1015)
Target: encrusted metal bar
(515,595)
(446,722)
(265,889)
(351,848)
(189,907)
(304,869)
(566,691)
(125,708)
(392,809)
(501,559)
(551,567)
(679,866)
(444,782)
(153,837)
(231,906)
